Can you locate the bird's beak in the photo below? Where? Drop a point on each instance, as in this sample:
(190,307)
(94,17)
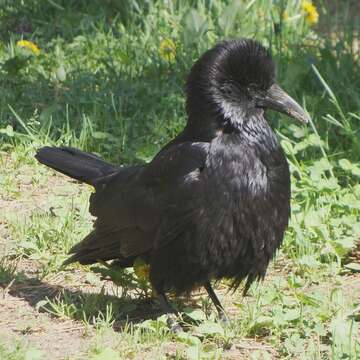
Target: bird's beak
(277,99)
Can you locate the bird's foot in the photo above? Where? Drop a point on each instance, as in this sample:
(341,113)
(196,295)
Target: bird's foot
(173,324)
(172,319)
(224,319)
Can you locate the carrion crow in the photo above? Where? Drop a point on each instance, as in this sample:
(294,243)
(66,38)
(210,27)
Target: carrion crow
(214,202)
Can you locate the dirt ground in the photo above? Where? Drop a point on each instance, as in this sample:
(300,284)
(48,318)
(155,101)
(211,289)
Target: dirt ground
(22,320)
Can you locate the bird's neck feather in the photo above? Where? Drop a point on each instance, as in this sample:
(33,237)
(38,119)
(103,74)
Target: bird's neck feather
(257,131)
(231,120)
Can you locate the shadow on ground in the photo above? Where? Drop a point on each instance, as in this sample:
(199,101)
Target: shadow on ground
(88,304)
(61,301)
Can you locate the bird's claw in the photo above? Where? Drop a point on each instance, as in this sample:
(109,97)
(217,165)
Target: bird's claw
(173,324)
(224,319)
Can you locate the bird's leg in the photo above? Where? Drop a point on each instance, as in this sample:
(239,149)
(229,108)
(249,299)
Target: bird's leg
(171,314)
(221,311)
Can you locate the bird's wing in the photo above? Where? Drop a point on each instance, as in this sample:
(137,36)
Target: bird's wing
(138,205)
(177,173)
(138,196)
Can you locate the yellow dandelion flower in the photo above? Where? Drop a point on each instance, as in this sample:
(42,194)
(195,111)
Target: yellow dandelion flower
(285,16)
(167,50)
(311,14)
(29,45)
(141,269)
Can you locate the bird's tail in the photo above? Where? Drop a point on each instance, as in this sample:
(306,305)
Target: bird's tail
(77,164)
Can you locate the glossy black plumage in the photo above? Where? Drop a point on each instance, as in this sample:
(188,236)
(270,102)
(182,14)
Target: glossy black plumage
(215,201)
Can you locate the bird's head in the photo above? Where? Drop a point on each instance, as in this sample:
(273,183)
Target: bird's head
(234,81)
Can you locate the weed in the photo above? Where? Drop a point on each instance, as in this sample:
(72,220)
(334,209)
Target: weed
(108,77)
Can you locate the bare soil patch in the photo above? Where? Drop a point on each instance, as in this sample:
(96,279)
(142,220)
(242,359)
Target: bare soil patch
(21,319)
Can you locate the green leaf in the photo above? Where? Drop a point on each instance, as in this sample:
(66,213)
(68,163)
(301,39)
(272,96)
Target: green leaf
(13,65)
(327,184)
(308,300)
(297,131)
(188,338)
(356,170)
(351,201)
(320,329)
(291,314)
(262,322)
(311,140)
(9,131)
(287,147)
(356,190)
(28,245)
(278,316)
(343,245)
(210,328)
(195,314)
(228,17)
(315,140)
(154,325)
(345,164)
(309,261)
(100,135)
(355,267)
(313,219)
(61,73)
(193,352)
(342,331)
(194,25)
(319,168)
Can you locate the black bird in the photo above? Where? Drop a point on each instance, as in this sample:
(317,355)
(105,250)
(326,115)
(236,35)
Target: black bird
(214,202)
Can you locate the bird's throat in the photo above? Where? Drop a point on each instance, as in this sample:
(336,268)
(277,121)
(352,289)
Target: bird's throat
(253,130)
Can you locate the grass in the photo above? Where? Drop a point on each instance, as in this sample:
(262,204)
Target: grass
(102,83)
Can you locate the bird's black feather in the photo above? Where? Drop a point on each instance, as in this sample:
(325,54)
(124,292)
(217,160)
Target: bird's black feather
(75,163)
(215,201)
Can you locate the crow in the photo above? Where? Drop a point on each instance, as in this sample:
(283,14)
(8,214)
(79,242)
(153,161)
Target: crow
(215,201)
